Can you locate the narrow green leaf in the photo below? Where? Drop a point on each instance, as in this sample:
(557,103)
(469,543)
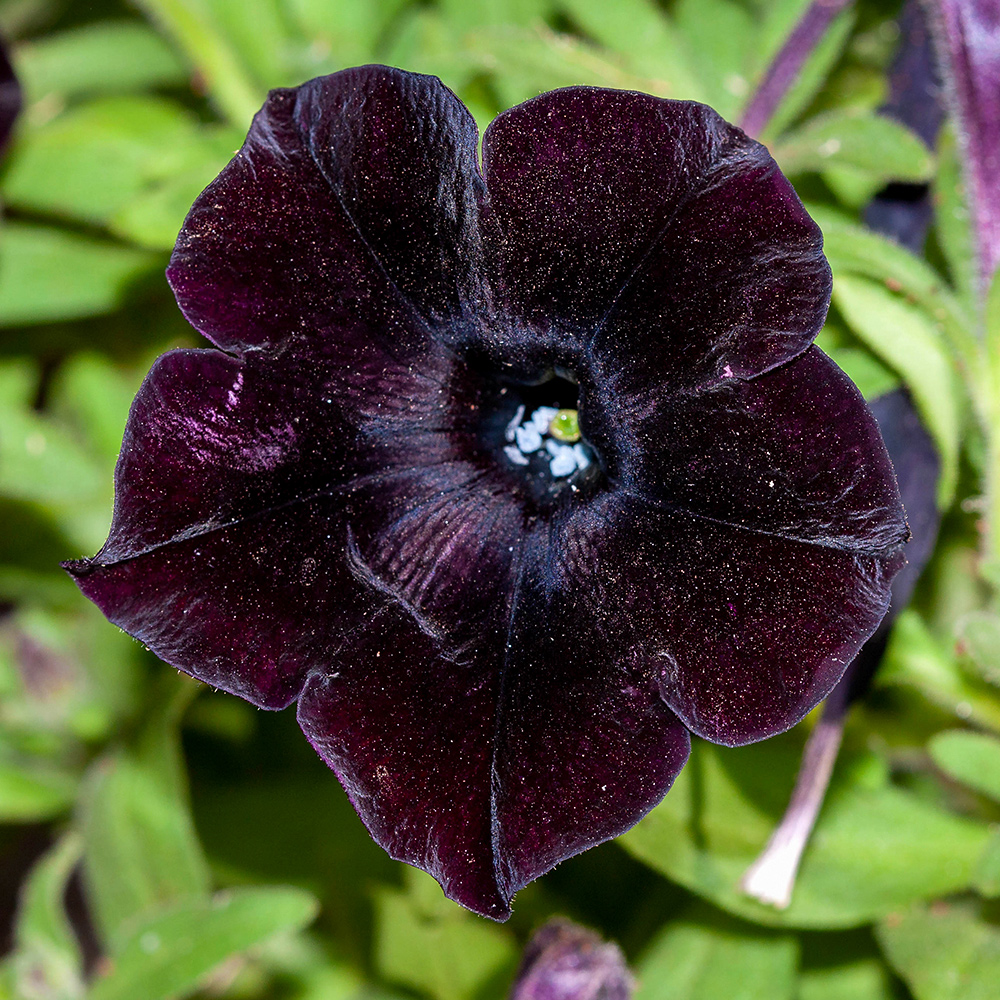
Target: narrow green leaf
(709,956)
(260,33)
(168,954)
(865,371)
(852,249)
(430,944)
(951,218)
(714,34)
(48,275)
(970,758)
(191,25)
(909,341)
(944,952)
(875,847)
(991,318)
(102,58)
(47,961)
(881,148)
(527,62)
(346,34)
(648,42)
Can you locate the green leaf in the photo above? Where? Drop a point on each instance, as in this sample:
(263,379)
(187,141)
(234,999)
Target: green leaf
(102,58)
(93,394)
(96,159)
(141,849)
(169,953)
(915,659)
(880,147)
(987,877)
(714,35)
(38,460)
(47,961)
(991,317)
(528,61)
(852,249)
(48,275)
(951,218)
(868,374)
(979,639)
(430,944)
(347,34)
(709,956)
(944,952)
(970,758)
(31,792)
(192,26)
(867,979)
(909,341)
(648,42)
(875,847)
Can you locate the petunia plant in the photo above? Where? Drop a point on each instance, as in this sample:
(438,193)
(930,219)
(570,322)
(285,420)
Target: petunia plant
(506,432)
(510,476)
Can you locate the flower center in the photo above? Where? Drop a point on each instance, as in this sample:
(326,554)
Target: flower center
(555,433)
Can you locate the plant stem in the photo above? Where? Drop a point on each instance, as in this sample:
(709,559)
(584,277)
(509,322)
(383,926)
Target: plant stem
(785,67)
(771,878)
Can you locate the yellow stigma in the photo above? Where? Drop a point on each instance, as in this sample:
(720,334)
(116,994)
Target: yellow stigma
(565,426)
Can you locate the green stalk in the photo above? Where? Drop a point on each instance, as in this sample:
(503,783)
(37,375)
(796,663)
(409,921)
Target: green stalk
(190,25)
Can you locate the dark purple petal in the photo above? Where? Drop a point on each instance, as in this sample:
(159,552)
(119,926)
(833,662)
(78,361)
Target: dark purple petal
(746,632)
(969,44)
(794,453)
(352,202)
(565,962)
(488,769)
(650,233)
(226,550)
(10,96)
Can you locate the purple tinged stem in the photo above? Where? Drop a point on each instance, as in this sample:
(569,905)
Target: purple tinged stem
(968,40)
(771,878)
(788,63)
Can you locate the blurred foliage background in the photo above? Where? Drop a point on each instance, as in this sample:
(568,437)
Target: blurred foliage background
(160,840)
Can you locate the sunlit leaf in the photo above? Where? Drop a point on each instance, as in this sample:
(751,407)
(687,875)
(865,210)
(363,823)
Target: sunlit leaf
(167,955)
(875,848)
(944,952)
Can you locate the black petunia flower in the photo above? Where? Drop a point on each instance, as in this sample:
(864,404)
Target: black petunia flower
(511,476)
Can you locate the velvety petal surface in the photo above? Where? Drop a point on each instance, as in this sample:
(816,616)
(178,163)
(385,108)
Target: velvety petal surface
(651,233)
(745,632)
(352,201)
(226,552)
(486,772)
(794,453)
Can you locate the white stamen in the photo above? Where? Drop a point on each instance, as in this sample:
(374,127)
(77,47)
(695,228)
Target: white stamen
(553,447)
(528,438)
(563,461)
(582,458)
(515,455)
(512,426)
(542,418)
